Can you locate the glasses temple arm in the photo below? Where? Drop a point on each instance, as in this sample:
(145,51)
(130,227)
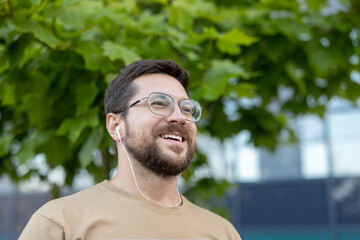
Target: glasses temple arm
(124,109)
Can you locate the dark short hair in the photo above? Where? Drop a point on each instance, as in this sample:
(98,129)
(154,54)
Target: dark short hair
(121,89)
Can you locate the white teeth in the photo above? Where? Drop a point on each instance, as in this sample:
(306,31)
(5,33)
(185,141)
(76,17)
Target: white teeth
(172,137)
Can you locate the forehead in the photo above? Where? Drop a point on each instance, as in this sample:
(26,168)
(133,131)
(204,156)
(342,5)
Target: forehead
(164,83)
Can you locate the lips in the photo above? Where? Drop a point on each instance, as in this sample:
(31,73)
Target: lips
(173,132)
(172,137)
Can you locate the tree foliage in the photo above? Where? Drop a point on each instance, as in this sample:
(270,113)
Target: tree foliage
(253,63)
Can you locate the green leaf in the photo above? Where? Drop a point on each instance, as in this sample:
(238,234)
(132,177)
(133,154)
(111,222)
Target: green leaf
(207,34)
(85,95)
(24,3)
(217,77)
(238,36)
(73,127)
(315,5)
(176,37)
(161,1)
(324,59)
(180,17)
(152,24)
(93,56)
(17,48)
(39,31)
(115,51)
(26,152)
(297,75)
(91,8)
(95,61)
(274,48)
(114,9)
(247,90)
(29,144)
(291,28)
(91,143)
(6,28)
(230,42)
(57,150)
(9,96)
(5,144)
(281,5)
(35,102)
(69,15)
(36,2)
(109,77)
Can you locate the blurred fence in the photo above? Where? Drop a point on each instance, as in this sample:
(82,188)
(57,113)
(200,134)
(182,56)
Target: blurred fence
(324,209)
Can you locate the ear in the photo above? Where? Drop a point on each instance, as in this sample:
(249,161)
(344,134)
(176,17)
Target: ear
(112,121)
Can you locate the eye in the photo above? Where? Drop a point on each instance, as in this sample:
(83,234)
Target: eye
(160,102)
(187,109)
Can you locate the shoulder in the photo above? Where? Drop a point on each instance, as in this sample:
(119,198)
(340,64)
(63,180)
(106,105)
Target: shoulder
(73,198)
(204,213)
(51,220)
(212,220)
(59,209)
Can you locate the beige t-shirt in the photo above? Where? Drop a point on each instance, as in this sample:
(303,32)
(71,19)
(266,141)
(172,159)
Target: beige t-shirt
(106,212)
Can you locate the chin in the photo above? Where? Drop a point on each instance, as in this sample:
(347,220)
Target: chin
(175,157)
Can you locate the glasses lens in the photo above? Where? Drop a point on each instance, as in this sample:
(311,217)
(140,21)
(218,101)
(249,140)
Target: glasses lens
(191,109)
(160,104)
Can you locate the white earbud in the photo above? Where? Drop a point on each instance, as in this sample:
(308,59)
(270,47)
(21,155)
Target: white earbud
(117,129)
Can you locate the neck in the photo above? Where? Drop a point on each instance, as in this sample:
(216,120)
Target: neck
(154,188)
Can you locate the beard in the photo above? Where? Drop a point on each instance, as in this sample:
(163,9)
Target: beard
(147,152)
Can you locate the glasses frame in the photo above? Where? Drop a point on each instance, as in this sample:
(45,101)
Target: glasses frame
(172,107)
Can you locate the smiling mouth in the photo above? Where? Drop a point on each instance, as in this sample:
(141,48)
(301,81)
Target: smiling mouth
(172,137)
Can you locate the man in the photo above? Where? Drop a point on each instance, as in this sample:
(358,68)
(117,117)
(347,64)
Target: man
(152,121)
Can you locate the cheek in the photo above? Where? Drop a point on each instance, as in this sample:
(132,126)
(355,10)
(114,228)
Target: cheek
(142,119)
(193,130)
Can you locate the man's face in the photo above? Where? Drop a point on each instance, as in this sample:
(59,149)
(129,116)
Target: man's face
(149,137)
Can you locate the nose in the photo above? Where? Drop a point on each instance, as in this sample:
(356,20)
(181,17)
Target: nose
(176,116)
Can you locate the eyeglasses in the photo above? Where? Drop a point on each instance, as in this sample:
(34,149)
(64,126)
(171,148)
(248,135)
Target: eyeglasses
(163,104)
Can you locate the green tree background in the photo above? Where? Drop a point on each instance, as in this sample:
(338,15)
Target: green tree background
(58,56)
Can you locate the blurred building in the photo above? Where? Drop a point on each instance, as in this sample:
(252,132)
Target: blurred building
(306,191)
